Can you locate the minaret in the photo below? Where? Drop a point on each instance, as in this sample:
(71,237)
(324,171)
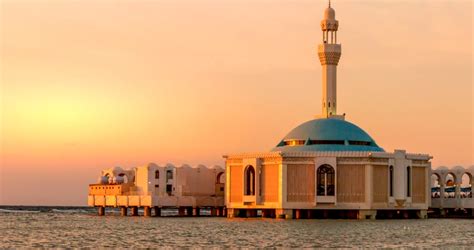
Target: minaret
(329,53)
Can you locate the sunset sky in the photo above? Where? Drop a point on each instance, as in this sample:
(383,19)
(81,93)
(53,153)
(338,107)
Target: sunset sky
(92,84)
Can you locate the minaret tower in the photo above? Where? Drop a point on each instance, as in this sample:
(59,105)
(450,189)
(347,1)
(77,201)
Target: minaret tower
(329,53)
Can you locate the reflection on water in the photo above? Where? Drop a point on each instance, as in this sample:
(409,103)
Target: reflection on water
(83,228)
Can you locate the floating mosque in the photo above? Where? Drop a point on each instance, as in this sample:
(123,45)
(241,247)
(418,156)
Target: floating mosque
(326,167)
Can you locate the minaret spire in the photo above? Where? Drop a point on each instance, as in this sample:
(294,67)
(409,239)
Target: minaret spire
(329,53)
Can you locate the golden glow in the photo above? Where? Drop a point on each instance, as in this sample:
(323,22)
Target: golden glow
(94,84)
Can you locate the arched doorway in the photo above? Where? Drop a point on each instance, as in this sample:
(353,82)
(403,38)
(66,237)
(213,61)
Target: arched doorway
(435,186)
(450,186)
(325,181)
(249,179)
(466,185)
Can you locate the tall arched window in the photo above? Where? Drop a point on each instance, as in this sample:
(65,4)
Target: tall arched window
(249,178)
(391,180)
(408,181)
(325,179)
(157,174)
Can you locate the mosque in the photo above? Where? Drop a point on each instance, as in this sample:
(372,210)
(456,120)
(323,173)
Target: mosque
(324,168)
(328,167)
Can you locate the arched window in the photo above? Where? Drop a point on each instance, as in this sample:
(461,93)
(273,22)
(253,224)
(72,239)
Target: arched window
(220,179)
(157,174)
(408,181)
(466,186)
(325,179)
(450,186)
(435,186)
(249,178)
(391,180)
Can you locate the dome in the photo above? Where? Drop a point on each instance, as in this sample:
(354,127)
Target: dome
(327,135)
(330,14)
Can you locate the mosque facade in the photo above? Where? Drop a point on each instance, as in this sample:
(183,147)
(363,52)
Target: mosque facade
(328,167)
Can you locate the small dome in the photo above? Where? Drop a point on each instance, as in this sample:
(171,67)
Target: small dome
(330,14)
(327,135)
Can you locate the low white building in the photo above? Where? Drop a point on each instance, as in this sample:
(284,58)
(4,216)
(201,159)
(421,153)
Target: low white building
(154,186)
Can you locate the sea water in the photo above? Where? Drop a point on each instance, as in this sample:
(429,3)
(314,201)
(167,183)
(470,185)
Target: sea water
(81,227)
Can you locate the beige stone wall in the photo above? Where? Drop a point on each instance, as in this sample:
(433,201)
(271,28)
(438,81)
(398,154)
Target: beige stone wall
(270,179)
(380,183)
(350,183)
(236,182)
(300,183)
(419,184)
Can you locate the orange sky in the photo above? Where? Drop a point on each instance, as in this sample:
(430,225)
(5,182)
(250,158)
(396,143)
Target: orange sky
(87,85)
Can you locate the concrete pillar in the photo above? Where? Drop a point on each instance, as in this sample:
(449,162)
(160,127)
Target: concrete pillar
(224,211)
(284,213)
(147,211)
(157,211)
(309,214)
(181,211)
(123,211)
(298,214)
(196,211)
(189,211)
(134,211)
(101,211)
(422,214)
(232,212)
(213,211)
(367,214)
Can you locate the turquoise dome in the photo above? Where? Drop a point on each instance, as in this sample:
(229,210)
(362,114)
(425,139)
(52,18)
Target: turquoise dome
(327,135)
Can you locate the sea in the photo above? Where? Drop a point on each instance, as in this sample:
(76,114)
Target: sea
(80,227)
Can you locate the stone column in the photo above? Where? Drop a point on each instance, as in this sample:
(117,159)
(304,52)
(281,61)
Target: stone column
(284,213)
(189,211)
(147,211)
(196,211)
(298,214)
(157,211)
(213,211)
(232,213)
(134,211)
(123,211)
(181,211)
(101,211)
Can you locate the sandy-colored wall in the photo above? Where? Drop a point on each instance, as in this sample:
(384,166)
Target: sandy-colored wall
(270,179)
(300,179)
(350,183)
(236,182)
(419,185)
(200,181)
(380,183)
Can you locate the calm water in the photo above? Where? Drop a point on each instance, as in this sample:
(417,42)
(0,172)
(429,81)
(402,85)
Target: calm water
(82,228)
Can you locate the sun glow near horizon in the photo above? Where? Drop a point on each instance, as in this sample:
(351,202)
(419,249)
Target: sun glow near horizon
(94,84)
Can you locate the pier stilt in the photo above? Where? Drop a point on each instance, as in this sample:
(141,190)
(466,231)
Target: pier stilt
(123,211)
(134,211)
(147,211)
(189,211)
(101,211)
(157,211)
(181,211)
(284,213)
(213,212)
